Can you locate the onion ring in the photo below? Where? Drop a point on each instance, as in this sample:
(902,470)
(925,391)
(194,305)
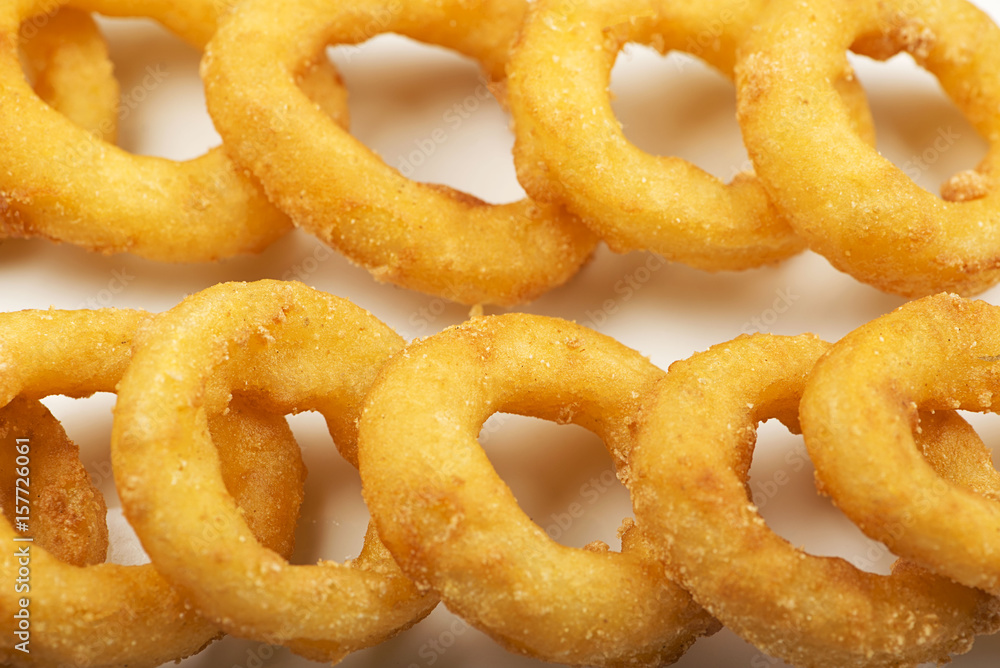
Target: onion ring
(425,237)
(288,348)
(564,126)
(460,530)
(63,183)
(67,512)
(688,474)
(938,352)
(107,614)
(853,206)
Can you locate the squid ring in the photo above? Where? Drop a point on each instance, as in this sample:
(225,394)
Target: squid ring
(458,528)
(421,236)
(850,204)
(938,352)
(689,470)
(570,147)
(285,347)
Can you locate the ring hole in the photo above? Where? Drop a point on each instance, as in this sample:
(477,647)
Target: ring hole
(917,126)
(87,422)
(782,487)
(162,110)
(678,106)
(561,476)
(334,517)
(429,113)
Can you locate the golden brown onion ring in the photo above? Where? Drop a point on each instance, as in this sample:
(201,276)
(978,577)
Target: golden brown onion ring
(858,417)
(851,204)
(689,471)
(288,348)
(453,525)
(425,237)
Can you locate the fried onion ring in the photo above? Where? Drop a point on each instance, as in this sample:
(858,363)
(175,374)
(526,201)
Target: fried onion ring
(858,416)
(425,237)
(570,147)
(853,206)
(453,525)
(287,348)
(61,182)
(107,614)
(688,475)
(67,513)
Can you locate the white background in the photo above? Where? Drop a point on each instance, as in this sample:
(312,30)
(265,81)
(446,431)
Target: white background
(400,93)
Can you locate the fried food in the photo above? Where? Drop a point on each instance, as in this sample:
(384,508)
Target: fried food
(454,526)
(425,237)
(67,512)
(850,204)
(859,415)
(688,476)
(61,182)
(105,615)
(571,149)
(284,347)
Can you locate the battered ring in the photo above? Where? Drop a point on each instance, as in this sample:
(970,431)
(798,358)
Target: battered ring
(688,474)
(454,526)
(284,347)
(424,237)
(570,147)
(935,353)
(853,206)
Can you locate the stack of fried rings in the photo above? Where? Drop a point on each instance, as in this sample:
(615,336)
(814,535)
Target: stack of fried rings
(803,115)
(211,480)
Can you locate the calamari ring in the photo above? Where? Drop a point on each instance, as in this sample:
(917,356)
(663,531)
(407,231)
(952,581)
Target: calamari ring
(938,352)
(288,348)
(64,183)
(458,528)
(107,614)
(425,237)
(688,473)
(66,512)
(570,147)
(853,206)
